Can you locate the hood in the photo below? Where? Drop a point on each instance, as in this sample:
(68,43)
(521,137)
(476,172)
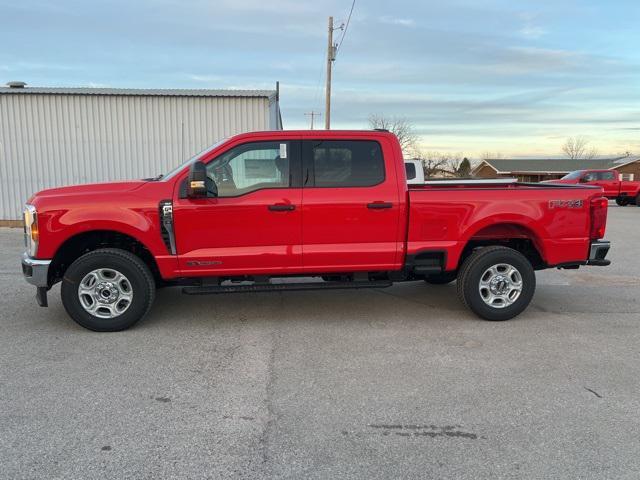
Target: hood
(89,189)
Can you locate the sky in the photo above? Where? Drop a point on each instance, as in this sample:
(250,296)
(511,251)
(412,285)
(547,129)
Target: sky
(514,78)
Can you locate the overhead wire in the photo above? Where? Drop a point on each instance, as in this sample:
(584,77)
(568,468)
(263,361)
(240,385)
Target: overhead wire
(346,26)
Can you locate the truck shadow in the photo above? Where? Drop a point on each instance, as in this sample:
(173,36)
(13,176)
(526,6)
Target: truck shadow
(405,302)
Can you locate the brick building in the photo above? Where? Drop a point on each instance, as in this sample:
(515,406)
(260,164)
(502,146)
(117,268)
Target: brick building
(536,170)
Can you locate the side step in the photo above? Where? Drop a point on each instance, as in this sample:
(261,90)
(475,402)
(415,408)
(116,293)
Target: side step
(278,287)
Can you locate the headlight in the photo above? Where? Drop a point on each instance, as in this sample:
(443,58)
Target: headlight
(31,234)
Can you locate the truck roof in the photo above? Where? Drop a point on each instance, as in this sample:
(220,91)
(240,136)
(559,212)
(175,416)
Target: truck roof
(317,133)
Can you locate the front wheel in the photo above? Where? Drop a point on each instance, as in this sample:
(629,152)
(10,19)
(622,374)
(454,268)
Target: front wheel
(496,283)
(622,202)
(107,290)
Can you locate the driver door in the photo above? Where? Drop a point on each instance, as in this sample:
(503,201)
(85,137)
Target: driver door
(254,224)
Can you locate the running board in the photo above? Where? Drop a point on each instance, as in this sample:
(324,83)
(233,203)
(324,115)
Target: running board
(278,287)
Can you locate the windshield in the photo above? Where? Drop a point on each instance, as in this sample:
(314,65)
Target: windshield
(572,175)
(179,168)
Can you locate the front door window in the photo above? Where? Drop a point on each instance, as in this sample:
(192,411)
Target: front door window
(250,167)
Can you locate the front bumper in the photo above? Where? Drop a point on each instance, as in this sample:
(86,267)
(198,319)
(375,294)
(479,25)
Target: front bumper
(35,271)
(597,253)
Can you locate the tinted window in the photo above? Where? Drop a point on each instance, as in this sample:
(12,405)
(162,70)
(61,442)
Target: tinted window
(572,175)
(347,163)
(250,167)
(410,168)
(606,176)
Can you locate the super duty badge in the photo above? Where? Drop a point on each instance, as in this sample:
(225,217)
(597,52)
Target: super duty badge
(566,203)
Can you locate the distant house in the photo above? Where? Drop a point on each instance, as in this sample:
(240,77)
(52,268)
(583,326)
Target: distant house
(536,170)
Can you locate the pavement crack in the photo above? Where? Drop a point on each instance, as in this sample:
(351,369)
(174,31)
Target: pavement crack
(594,392)
(271,416)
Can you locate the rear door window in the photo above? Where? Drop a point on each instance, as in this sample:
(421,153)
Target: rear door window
(606,176)
(343,163)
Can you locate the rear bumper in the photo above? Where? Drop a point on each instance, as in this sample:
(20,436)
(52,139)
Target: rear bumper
(597,253)
(35,271)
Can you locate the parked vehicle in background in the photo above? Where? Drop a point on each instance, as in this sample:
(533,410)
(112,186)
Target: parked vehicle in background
(414,171)
(333,205)
(624,192)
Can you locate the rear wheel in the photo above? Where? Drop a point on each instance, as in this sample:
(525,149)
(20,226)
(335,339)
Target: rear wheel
(638,200)
(496,283)
(107,290)
(622,201)
(441,278)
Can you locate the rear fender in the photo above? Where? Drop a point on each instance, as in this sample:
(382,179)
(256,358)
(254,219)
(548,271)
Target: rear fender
(502,227)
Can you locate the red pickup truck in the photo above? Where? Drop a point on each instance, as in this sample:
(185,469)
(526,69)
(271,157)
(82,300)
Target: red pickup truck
(296,210)
(623,192)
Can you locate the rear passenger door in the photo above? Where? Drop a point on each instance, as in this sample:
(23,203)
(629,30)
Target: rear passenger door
(350,207)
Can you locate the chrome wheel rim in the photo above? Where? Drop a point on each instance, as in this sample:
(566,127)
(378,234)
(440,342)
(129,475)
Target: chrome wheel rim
(500,285)
(105,293)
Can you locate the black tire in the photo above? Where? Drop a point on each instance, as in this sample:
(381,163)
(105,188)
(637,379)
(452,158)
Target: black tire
(638,200)
(441,278)
(137,274)
(477,264)
(622,202)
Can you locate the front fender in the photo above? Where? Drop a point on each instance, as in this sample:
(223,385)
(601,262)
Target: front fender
(58,226)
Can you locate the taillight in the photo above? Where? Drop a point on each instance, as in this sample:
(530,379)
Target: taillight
(598,217)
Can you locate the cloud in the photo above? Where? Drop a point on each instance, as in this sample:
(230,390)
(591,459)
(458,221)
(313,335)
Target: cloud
(532,32)
(204,78)
(472,71)
(403,22)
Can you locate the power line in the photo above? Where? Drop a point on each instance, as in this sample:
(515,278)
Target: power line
(317,94)
(312,114)
(344,32)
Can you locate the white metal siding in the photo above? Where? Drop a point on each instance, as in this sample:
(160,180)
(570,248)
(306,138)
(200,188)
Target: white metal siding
(56,140)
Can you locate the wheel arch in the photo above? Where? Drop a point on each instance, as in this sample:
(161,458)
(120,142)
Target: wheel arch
(80,243)
(520,236)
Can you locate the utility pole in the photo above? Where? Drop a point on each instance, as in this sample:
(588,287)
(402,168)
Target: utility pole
(312,114)
(331,56)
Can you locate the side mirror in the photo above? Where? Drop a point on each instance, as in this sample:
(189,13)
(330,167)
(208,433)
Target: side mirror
(198,184)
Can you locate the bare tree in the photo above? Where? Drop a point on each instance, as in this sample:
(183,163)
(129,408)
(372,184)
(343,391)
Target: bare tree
(593,152)
(457,165)
(435,164)
(576,148)
(398,126)
(486,155)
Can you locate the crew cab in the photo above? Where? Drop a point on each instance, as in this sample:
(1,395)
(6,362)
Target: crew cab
(623,192)
(297,210)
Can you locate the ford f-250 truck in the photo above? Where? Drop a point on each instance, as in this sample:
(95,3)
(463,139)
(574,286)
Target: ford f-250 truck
(623,192)
(331,205)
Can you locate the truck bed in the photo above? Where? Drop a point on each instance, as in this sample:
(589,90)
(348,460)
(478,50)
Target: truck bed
(446,214)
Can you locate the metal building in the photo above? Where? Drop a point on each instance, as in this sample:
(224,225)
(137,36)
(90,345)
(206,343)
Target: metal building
(63,136)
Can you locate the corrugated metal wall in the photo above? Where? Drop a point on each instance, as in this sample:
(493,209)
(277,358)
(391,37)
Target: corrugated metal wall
(55,140)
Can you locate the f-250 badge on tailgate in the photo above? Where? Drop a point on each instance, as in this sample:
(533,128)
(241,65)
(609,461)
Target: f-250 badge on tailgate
(566,203)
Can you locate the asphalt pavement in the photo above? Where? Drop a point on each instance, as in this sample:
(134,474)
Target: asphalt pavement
(392,383)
